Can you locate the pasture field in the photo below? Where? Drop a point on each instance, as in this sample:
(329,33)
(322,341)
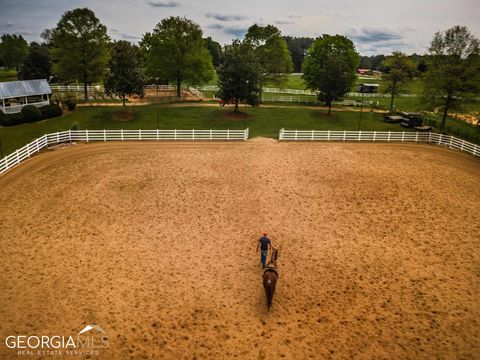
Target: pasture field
(155,242)
(262,121)
(8,75)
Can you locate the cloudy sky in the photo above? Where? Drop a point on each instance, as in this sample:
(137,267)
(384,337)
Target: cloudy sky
(375,26)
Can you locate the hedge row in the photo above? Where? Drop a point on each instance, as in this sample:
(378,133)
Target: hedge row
(30,113)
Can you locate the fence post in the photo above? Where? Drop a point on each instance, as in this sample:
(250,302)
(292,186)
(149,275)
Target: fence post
(210,134)
(475,147)
(121,134)
(359,135)
(228,134)
(70,135)
(328,135)
(403,136)
(139,134)
(193,134)
(158,135)
(344,135)
(104,135)
(87,134)
(296,134)
(429,137)
(247,133)
(416,136)
(440,139)
(175,134)
(451,140)
(313,132)
(388,138)
(280,137)
(463,143)
(374,136)
(58,137)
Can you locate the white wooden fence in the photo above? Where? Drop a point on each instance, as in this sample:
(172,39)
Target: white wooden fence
(47,140)
(269,90)
(76,88)
(388,136)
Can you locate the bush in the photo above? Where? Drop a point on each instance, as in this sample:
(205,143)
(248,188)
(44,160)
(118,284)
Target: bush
(12,119)
(70,104)
(31,113)
(50,111)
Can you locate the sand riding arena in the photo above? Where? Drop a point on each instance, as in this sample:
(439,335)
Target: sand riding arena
(155,242)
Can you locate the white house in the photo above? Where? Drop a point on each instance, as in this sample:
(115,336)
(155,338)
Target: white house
(14,95)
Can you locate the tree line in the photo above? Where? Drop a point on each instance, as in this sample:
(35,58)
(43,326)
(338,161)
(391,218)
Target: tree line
(175,51)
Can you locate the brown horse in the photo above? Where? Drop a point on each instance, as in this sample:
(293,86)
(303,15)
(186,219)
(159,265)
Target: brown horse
(270,277)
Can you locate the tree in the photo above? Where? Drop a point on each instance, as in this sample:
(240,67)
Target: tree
(37,64)
(453,69)
(298,50)
(398,69)
(176,51)
(79,47)
(330,67)
(124,77)
(13,49)
(215,50)
(271,50)
(240,75)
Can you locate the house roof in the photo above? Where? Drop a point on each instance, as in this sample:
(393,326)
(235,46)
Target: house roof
(13,89)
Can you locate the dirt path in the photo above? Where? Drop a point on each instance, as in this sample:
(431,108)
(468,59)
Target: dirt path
(202,104)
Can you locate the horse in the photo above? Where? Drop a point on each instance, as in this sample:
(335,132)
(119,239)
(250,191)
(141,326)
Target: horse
(270,277)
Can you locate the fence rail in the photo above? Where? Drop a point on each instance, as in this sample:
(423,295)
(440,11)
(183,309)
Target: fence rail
(76,88)
(270,90)
(47,140)
(388,136)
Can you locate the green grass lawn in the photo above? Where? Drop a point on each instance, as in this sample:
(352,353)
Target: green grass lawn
(261,121)
(8,75)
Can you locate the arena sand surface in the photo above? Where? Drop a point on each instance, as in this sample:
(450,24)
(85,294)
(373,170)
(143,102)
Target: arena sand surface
(379,249)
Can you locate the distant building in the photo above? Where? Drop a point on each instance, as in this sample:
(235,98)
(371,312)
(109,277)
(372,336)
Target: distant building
(14,95)
(367,88)
(363,71)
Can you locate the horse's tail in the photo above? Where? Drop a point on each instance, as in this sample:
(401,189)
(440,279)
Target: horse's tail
(269,285)
(269,293)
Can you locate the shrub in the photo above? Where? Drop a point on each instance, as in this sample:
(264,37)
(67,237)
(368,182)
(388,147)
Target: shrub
(50,111)
(70,104)
(12,119)
(31,113)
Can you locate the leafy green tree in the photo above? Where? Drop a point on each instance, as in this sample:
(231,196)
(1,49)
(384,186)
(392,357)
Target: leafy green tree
(176,51)
(271,50)
(37,64)
(215,50)
(398,70)
(124,77)
(79,47)
(330,67)
(453,69)
(240,75)
(13,49)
